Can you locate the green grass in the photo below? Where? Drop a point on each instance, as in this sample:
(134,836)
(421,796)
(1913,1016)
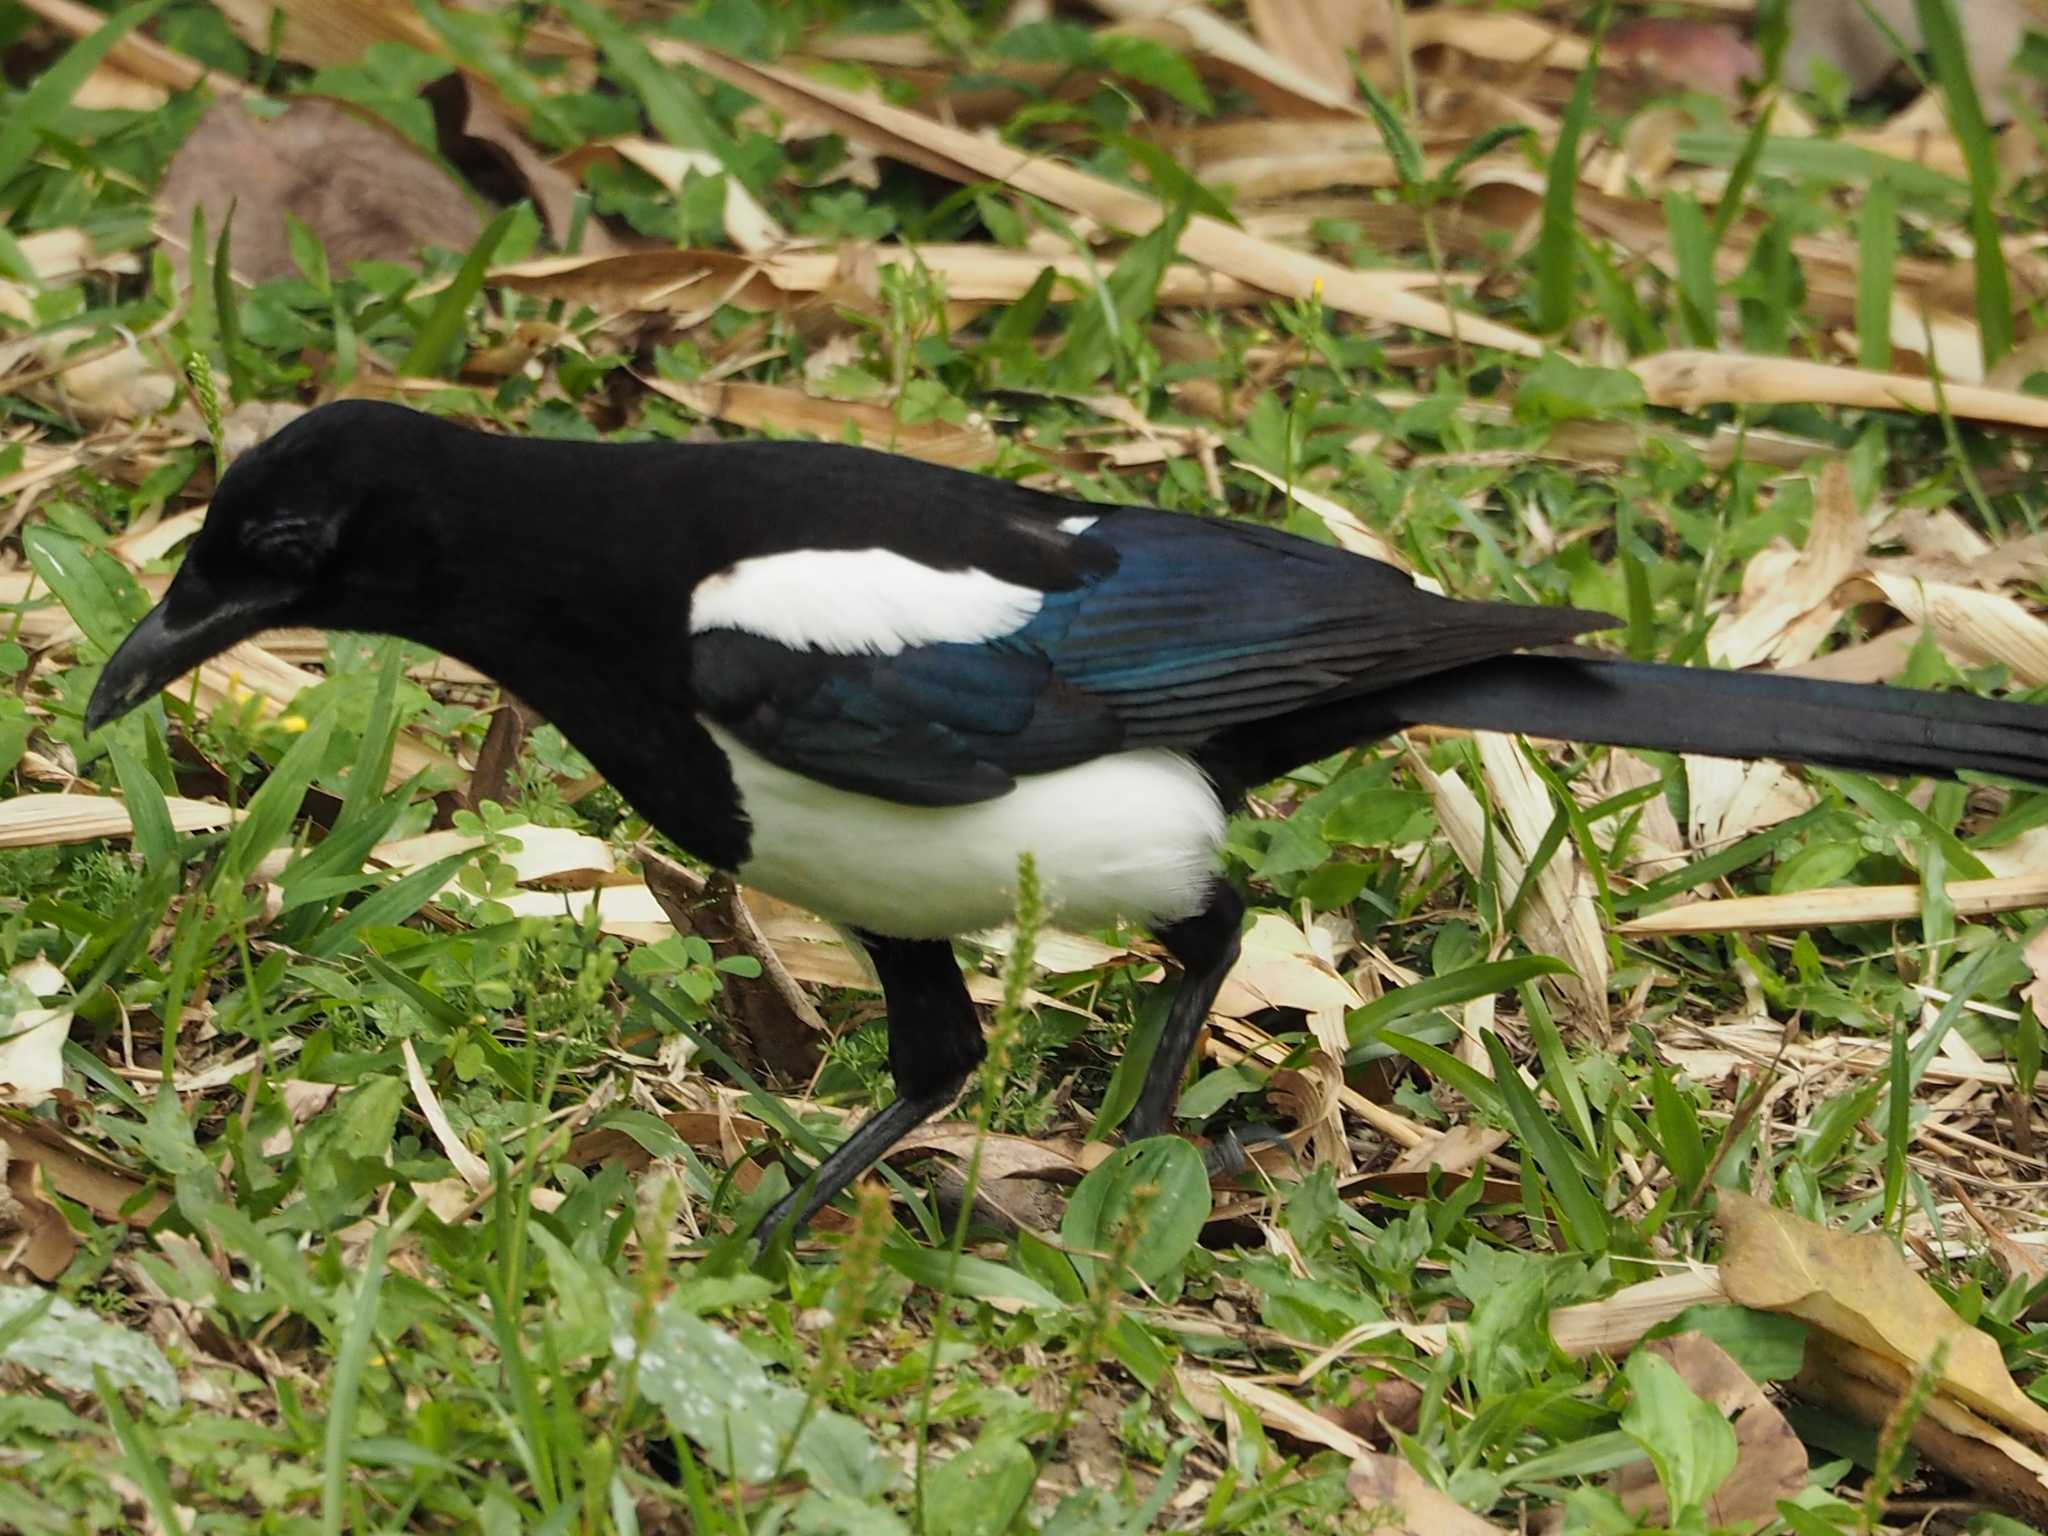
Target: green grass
(283,1306)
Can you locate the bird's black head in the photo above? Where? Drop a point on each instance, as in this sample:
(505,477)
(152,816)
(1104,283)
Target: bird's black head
(282,544)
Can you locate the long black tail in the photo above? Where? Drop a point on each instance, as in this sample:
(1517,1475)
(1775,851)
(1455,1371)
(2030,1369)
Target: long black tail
(1698,709)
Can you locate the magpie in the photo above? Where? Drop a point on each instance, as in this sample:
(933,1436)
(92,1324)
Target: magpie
(867,685)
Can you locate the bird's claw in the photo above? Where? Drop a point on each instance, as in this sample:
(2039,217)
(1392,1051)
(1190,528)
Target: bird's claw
(1227,1154)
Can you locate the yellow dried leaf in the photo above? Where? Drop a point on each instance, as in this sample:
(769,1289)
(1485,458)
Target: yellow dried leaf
(1857,1287)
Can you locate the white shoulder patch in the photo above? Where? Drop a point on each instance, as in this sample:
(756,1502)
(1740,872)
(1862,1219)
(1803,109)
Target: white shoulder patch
(1078,525)
(859,602)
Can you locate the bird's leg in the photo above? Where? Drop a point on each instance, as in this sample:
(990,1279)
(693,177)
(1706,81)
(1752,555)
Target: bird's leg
(934,1044)
(1206,946)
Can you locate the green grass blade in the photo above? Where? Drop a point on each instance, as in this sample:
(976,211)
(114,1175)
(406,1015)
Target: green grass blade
(148,1468)
(1365,1025)
(1877,254)
(155,838)
(1557,242)
(1692,248)
(23,125)
(1942,28)
(440,339)
(1584,1215)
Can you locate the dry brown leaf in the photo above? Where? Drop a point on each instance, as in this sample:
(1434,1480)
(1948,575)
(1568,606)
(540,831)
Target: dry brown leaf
(137,53)
(1996,1467)
(1857,1287)
(1613,1324)
(325,33)
(1788,606)
(1976,625)
(1280,83)
(1846,38)
(32,1039)
(33,1232)
(781,409)
(1771,1461)
(1499,38)
(78,1175)
(302,1100)
(39,821)
(1698,55)
(555,856)
(1400,1503)
(1788,601)
(2018,1260)
(1687,380)
(473,1170)
(1343,523)
(1561,917)
(1279,967)
(947,151)
(1319,37)
(480,139)
(1002,1157)
(1847,904)
(2036,991)
(352,180)
(625,911)
(1209,1392)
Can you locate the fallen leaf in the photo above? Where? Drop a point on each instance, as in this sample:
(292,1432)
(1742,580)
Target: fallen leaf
(354,181)
(481,140)
(1688,380)
(1996,1467)
(40,821)
(948,151)
(1320,37)
(1280,83)
(32,1037)
(77,1175)
(1613,1324)
(558,857)
(792,411)
(748,225)
(2036,956)
(1209,1393)
(326,32)
(1771,1461)
(31,1227)
(1398,1502)
(1278,967)
(472,1169)
(1857,1287)
(1850,38)
(1844,904)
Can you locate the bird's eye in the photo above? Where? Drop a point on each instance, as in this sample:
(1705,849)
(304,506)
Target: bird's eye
(292,542)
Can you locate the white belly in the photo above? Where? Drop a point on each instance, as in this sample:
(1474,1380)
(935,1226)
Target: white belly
(1134,835)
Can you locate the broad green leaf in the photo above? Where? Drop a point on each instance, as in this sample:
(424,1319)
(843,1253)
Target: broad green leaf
(965,1275)
(1161,1184)
(979,1491)
(87,582)
(750,1424)
(65,1343)
(438,342)
(27,119)
(1688,1440)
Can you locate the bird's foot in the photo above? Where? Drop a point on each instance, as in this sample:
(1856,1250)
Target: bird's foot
(1227,1153)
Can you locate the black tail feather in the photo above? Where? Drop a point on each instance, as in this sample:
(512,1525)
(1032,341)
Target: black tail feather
(1716,713)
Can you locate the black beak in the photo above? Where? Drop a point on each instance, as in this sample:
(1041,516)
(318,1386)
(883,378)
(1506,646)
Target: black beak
(190,626)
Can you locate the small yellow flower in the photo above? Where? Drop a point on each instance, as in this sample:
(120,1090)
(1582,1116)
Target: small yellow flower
(293,724)
(1315,290)
(236,692)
